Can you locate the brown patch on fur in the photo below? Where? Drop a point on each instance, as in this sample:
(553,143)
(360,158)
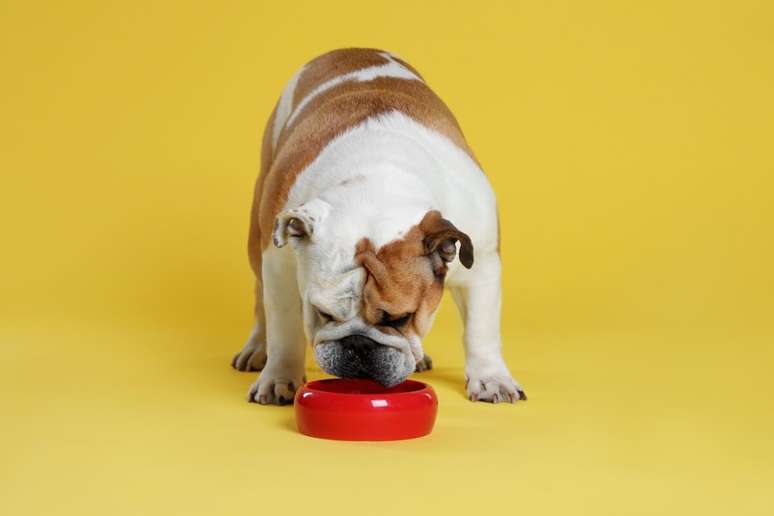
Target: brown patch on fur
(254,245)
(332,64)
(402,276)
(254,248)
(400,280)
(339,62)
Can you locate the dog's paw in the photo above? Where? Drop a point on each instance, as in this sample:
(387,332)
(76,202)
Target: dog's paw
(274,389)
(424,365)
(494,387)
(251,358)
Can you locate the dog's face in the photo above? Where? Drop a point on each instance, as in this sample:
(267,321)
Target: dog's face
(366,310)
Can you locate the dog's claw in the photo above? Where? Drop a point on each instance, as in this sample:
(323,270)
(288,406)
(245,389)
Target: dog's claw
(494,388)
(273,390)
(249,361)
(252,357)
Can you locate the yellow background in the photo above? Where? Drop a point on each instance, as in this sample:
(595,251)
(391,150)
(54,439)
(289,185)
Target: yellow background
(630,145)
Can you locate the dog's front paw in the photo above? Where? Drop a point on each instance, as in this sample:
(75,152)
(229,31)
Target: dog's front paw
(493,386)
(275,388)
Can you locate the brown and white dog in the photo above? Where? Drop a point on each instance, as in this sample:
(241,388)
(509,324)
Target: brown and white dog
(367,187)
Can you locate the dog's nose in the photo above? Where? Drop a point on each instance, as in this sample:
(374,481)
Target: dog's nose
(360,344)
(357,356)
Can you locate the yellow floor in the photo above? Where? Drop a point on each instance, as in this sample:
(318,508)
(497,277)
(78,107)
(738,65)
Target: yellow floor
(630,148)
(153,421)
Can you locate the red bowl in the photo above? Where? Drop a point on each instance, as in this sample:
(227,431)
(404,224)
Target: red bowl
(363,410)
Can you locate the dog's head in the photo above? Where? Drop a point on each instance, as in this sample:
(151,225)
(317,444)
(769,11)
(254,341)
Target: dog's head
(365,309)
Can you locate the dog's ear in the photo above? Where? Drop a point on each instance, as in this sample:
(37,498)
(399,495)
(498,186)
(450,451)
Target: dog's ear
(440,242)
(299,223)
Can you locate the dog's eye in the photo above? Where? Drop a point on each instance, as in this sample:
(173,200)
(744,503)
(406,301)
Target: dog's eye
(394,321)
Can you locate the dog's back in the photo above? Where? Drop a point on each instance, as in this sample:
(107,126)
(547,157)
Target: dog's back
(331,94)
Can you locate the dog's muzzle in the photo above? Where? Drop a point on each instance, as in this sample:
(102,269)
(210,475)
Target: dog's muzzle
(357,356)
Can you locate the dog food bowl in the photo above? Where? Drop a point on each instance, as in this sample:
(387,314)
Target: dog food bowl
(363,410)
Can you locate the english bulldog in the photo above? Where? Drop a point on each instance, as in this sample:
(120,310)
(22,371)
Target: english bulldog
(369,202)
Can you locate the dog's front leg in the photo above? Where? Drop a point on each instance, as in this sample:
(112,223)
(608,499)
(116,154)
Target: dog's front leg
(284,370)
(478,299)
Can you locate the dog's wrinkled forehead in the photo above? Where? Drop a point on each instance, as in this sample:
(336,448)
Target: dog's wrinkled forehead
(399,280)
(335,285)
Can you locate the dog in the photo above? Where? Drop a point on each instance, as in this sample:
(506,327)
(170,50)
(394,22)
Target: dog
(368,204)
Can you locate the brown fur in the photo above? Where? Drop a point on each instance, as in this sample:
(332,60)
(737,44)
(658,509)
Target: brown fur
(323,68)
(404,276)
(339,62)
(254,249)
(400,281)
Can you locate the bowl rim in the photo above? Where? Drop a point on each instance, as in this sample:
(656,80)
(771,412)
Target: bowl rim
(310,386)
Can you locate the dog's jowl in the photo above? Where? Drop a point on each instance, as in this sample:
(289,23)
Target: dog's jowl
(369,202)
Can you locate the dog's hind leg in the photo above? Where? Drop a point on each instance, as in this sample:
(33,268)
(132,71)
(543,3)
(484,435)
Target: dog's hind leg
(252,357)
(425,364)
